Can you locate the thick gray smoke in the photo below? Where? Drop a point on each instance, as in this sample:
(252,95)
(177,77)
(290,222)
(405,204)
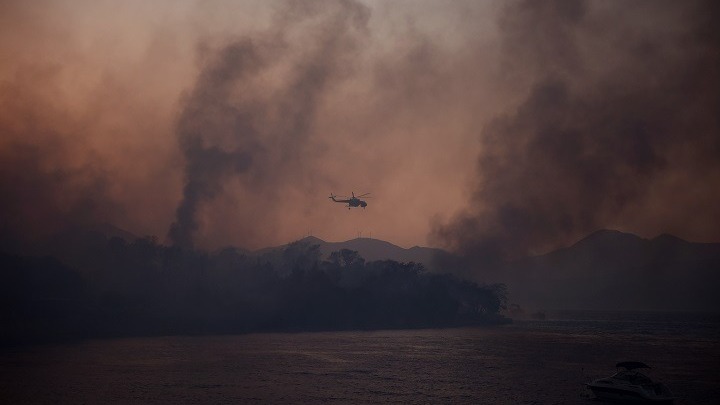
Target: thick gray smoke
(623,97)
(250,115)
(47,184)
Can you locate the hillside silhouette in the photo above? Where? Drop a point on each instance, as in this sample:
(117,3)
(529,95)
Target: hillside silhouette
(107,286)
(104,281)
(621,271)
(370,249)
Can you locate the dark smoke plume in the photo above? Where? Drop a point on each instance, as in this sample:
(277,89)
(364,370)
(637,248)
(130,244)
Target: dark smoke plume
(244,122)
(623,96)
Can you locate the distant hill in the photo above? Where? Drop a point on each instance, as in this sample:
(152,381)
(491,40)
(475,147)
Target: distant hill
(615,270)
(370,249)
(605,270)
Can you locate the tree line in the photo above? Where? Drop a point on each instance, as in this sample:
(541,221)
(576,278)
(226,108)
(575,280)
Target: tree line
(119,288)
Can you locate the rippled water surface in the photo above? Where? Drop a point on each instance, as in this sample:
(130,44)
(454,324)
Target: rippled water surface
(531,362)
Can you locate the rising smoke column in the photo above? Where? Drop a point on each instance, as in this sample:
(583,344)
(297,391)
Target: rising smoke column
(619,98)
(249,117)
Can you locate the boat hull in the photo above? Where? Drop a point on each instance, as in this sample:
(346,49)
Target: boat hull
(626,396)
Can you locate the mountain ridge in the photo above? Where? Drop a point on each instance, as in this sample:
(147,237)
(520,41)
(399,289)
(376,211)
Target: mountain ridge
(607,269)
(369,248)
(617,270)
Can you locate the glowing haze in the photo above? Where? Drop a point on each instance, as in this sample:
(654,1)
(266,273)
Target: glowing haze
(474,124)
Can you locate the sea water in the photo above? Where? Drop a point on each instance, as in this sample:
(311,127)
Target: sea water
(527,362)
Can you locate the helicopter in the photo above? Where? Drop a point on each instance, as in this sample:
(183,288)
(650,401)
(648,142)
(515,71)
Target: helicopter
(352,202)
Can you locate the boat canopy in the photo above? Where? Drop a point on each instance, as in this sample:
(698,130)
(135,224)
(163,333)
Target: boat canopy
(631,365)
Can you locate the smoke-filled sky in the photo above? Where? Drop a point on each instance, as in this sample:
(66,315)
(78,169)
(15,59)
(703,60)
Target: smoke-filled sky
(510,126)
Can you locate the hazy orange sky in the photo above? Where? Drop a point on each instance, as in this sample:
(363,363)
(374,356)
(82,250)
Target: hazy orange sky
(528,123)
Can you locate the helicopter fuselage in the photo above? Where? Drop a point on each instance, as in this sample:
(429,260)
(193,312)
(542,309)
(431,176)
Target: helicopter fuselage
(352,202)
(356,202)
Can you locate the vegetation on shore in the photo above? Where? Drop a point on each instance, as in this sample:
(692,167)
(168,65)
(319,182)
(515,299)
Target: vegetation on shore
(118,288)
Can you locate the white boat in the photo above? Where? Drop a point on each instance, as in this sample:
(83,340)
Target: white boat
(630,385)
